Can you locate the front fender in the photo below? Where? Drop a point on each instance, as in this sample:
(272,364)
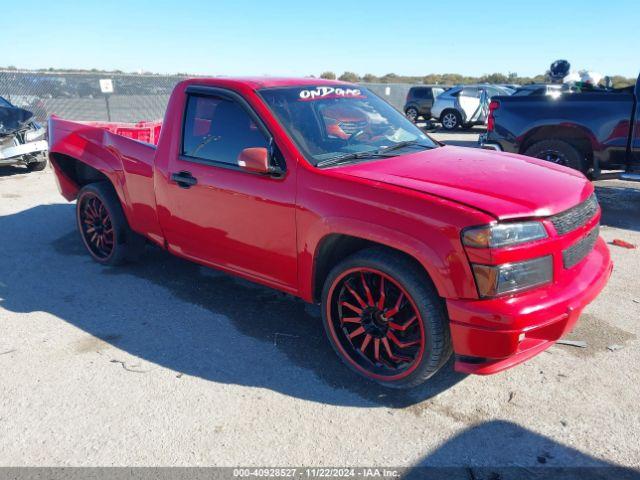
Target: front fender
(447,269)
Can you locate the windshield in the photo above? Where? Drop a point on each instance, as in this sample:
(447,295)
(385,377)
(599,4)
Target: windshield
(334,122)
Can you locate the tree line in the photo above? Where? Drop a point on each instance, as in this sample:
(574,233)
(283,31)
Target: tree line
(430,79)
(455,79)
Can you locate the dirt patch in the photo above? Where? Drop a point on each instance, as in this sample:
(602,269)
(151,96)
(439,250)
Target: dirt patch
(598,334)
(96,344)
(431,405)
(10,195)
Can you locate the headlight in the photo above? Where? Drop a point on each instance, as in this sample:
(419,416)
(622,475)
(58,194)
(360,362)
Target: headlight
(503,234)
(493,280)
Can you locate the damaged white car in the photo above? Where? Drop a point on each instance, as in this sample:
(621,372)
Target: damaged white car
(22,139)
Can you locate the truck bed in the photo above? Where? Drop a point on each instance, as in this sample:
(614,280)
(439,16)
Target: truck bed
(123,152)
(146,131)
(600,120)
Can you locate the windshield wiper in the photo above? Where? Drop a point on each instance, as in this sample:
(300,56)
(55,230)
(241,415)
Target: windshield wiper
(400,145)
(351,156)
(380,153)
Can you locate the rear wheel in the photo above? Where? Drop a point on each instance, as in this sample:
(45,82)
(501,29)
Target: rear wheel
(384,319)
(103,226)
(450,119)
(558,152)
(412,114)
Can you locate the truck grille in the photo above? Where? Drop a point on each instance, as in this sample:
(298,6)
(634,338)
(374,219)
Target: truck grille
(575,217)
(576,252)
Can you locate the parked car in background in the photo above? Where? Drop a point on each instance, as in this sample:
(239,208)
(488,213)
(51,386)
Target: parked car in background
(420,100)
(465,105)
(22,140)
(323,190)
(589,131)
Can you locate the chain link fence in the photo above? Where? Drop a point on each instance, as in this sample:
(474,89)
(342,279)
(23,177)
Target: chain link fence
(77,96)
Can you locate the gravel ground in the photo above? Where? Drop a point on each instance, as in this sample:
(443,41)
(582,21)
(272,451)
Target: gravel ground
(167,363)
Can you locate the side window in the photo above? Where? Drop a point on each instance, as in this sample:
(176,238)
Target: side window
(470,92)
(218,129)
(420,93)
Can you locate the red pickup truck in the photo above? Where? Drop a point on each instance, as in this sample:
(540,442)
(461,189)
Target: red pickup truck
(320,189)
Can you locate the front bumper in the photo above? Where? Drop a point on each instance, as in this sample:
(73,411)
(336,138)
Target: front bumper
(14,153)
(495,334)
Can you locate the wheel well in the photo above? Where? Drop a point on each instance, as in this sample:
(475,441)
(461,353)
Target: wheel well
(336,247)
(571,135)
(78,172)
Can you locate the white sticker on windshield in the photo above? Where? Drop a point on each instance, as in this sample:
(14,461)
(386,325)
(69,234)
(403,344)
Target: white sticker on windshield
(330,92)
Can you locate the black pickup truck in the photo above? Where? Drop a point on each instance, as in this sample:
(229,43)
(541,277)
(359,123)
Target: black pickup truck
(588,131)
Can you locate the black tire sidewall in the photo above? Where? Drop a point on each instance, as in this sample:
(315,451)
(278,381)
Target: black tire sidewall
(36,166)
(573,156)
(414,109)
(110,200)
(436,329)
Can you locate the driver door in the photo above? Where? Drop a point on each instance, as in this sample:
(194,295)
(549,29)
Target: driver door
(219,214)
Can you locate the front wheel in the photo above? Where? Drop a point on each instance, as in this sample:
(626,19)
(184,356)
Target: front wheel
(384,318)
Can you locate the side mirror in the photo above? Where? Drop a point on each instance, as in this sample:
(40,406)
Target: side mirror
(255,160)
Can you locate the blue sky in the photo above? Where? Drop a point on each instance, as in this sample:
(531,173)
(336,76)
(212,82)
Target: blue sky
(307,37)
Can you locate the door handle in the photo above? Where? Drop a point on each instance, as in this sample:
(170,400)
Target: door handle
(184,179)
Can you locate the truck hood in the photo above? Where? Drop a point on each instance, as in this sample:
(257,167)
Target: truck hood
(501,184)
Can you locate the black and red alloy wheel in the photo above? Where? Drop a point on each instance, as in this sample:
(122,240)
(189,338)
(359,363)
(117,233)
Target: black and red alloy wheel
(375,324)
(96,226)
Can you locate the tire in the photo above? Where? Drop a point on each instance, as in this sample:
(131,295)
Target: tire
(36,166)
(558,152)
(401,351)
(450,119)
(103,227)
(412,114)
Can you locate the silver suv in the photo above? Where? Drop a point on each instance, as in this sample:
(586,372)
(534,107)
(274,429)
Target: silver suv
(465,105)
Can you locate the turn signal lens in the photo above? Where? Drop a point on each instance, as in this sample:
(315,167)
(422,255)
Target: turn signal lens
(494,280)
(503,234)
